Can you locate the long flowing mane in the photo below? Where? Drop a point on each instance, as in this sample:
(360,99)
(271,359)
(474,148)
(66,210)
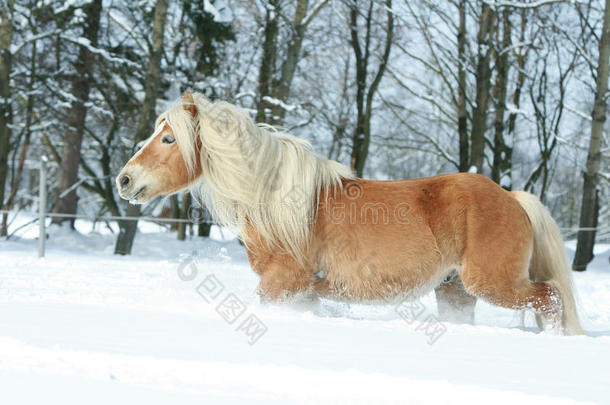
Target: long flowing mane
(253,174)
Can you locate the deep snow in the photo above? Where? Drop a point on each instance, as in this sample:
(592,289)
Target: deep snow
(84,325)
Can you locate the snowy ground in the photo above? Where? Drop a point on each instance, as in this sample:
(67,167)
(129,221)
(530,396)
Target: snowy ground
(84,326)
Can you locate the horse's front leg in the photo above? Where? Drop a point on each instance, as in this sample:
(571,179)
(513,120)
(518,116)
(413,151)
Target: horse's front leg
(282,278)
(281,283)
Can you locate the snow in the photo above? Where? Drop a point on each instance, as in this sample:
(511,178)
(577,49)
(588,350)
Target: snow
(98,51)
(219,11)
(506,180)
(76,4)
(82,324)
(280,103)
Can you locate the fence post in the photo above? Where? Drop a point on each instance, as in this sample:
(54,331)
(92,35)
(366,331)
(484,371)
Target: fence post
(42,206)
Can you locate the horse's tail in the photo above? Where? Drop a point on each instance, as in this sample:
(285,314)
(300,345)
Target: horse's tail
(549,261)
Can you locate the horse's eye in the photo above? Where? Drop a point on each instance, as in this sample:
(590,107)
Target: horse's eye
(168,139)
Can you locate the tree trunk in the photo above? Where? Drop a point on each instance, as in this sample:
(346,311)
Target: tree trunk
(26,143)
(365,94)
(205,225)
(175,210)
(361,60)
(184,214)
(281,87)
(265,74)
(521,59)
(461,107)
(483,75)
(584,247)
(502,158)
(73,139)
(588,213)
(6,32)
(127,232)
(105,162)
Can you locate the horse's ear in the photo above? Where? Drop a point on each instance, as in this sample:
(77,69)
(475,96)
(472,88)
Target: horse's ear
(188,103)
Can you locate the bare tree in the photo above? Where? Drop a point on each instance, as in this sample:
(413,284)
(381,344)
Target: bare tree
(548,105)
(128,228)
(27,136)
(6,31)
(184,214)
(66,201)
(265,74)
(589,212)
(365,92)
(462,113)
(502,152)
(274,89)
(521,55)
(487,22)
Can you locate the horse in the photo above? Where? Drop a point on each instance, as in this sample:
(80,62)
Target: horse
(310,226)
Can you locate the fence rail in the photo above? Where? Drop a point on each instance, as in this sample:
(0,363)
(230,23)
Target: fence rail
(115,218)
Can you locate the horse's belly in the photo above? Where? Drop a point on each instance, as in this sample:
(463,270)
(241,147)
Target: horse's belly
(381,262)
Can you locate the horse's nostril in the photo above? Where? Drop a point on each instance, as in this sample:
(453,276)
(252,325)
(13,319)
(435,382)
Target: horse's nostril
(124,180)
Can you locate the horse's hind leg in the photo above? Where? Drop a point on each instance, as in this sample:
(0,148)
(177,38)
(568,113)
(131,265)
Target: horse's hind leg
(502,280)
(454,303)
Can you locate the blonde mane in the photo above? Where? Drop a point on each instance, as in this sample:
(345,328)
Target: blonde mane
(253,174)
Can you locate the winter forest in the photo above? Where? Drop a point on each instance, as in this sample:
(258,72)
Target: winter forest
(516,90)
(165,303)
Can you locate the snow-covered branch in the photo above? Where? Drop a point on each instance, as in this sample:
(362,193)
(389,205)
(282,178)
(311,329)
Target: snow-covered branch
(103,53)
(314,11)
(528,4)
(16,48)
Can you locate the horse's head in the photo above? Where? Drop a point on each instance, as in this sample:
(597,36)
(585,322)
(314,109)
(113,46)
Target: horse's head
(159,167)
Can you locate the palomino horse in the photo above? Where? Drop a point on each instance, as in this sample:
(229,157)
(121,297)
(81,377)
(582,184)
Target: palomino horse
(310,226)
